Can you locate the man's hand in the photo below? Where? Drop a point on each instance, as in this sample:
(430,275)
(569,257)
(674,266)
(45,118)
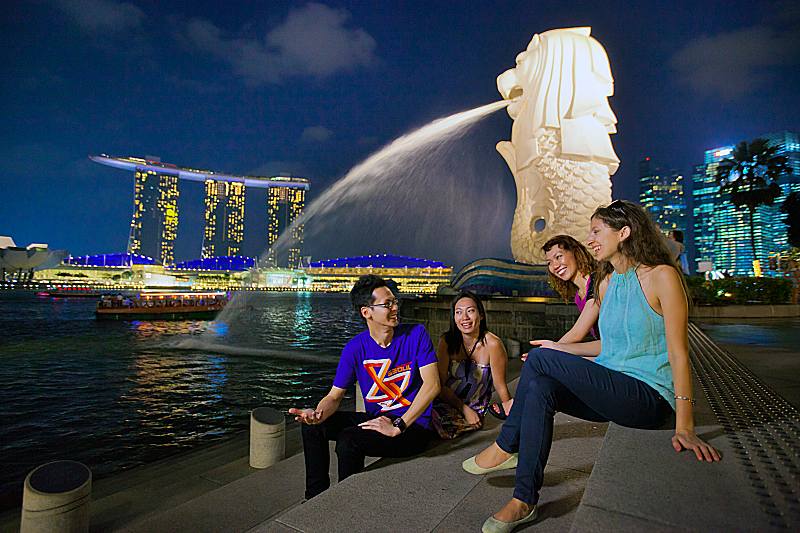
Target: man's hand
(382,425)
(306,416)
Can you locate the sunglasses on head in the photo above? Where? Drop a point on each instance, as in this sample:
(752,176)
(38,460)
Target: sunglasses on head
(617,205)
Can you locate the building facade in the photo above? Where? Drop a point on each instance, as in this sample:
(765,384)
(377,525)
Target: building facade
(411,275)
(722,237)
(284,206)
(154,224)
(224,218)
(661,193)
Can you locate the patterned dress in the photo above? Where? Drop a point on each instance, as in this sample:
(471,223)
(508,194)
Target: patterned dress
(472,383)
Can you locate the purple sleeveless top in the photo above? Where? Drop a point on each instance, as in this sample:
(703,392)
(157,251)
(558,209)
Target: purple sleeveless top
(581,302)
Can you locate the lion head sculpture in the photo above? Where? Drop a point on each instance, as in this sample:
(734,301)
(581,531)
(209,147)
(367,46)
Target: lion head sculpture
(560,151)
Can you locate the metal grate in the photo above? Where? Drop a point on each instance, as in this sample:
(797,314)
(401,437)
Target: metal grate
(762,427)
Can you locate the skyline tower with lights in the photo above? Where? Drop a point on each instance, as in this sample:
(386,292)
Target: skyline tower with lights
(722,231)
(154,224)
(224,218)
(284,206)
(661,193)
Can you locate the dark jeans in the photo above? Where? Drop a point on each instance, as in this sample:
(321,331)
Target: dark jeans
(353,444)
(556,381)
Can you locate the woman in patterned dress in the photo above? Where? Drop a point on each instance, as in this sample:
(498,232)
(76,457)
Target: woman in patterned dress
(472,364)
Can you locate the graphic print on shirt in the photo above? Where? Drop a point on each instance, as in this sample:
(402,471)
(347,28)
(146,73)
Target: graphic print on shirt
(388,385)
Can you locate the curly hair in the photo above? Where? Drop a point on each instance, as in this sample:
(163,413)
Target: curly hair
(452,337)
(586,264)
(646,244)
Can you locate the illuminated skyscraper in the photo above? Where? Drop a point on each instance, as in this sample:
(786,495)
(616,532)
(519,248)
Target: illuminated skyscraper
(154,224)
(155,210)
(284,205)
(705,199)
(722,232)
(224,230)
(788,144)
(661,194)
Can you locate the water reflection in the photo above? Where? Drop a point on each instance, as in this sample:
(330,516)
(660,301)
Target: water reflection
(302,319)
(146,329)
(146,397)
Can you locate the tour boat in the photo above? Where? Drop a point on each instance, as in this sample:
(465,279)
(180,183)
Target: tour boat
(162,306)
(72,292)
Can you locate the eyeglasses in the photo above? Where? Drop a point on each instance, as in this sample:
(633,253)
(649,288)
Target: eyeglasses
(388,304)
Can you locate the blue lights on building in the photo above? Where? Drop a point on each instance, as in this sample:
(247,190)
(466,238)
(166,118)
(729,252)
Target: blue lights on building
(231,263)
(378,261)
(228,262)
(109,260)
(722,232)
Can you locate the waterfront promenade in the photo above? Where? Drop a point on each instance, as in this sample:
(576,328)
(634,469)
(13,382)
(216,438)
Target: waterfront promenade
(620,480)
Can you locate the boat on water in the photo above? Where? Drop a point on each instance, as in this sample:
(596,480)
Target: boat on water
(73,292)
(162,306)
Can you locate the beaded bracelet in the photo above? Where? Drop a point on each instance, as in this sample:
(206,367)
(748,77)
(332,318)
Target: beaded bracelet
(685,398)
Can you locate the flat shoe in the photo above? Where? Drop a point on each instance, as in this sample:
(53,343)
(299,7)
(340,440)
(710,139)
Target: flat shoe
(472,467)
(493,525)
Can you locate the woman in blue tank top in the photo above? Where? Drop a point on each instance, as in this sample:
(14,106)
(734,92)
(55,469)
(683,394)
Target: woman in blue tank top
(641,375)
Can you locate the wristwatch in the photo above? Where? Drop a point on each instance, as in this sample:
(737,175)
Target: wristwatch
(400,424)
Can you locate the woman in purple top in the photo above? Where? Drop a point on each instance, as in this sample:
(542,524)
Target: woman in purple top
(569,267)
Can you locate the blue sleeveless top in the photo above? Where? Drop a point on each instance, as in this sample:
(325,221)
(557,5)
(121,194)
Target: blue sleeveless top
(634,340)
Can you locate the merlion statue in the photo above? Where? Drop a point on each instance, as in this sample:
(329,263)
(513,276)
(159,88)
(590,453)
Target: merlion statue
(560,152)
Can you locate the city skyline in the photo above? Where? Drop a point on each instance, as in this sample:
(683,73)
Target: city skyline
(721,231)
(99,77)
(156,212)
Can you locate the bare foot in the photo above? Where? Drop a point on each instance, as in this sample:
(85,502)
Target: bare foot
(514,510)
(491,456)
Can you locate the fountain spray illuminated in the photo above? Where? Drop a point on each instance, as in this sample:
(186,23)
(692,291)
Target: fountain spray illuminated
(404,153)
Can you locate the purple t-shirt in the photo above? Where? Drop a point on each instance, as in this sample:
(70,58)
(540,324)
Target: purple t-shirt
(389,377)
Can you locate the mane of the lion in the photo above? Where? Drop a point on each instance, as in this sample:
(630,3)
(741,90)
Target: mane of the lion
(566,81)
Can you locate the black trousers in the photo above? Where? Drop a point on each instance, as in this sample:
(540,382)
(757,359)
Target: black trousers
(353,444)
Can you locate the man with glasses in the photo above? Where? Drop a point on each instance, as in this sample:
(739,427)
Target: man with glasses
(395,365)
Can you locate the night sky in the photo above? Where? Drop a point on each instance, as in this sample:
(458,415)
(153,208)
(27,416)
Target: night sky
(314,88)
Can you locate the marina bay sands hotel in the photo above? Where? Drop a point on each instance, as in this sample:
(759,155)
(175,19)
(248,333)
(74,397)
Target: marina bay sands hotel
(154,224)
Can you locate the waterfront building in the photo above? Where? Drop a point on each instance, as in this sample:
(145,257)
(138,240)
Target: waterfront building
(661,193)
(722,232)
(284,206)
(17,263)
(412,275)
(224,217)
(492,276)
(121,272)
(154,223)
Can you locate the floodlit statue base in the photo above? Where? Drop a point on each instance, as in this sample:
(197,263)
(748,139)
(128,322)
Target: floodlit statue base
(560,151)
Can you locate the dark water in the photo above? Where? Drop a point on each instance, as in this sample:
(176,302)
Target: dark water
(781,333)
(114,395)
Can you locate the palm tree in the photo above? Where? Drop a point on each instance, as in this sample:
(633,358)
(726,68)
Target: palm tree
(750,177)
(791,206)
